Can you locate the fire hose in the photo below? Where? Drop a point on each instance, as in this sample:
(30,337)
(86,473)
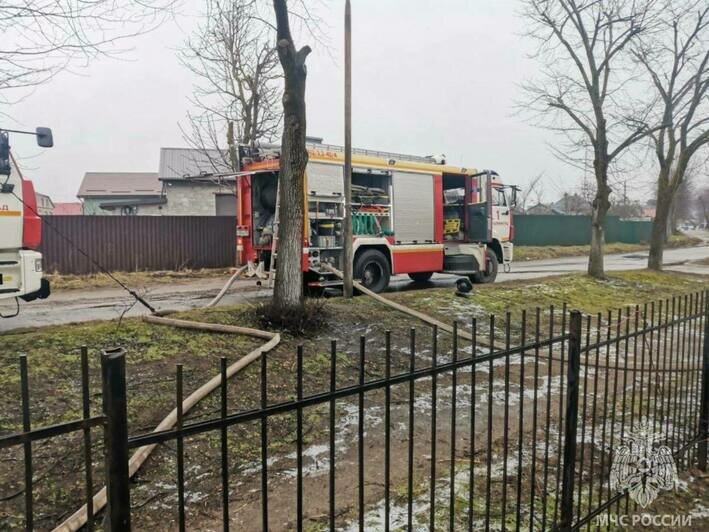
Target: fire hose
(406,310)
(79,518)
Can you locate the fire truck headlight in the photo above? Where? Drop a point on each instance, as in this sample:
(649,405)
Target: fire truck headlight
(38,265)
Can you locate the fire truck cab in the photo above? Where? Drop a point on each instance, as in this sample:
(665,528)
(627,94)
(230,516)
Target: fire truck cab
(20,229)
(410,215)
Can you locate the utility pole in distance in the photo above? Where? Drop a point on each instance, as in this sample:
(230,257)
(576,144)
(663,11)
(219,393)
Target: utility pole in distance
(347,222)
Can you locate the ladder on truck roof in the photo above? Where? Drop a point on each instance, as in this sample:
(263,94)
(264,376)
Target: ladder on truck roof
(266,151)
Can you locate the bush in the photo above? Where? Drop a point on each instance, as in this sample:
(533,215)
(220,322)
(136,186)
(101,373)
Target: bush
(309,318)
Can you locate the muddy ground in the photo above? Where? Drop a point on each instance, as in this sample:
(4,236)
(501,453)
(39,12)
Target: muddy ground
(153,351)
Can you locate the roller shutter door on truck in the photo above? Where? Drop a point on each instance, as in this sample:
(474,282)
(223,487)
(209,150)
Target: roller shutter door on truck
(413,207)
(325,179)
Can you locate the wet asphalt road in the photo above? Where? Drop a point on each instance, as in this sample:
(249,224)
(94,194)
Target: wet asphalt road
(107,304)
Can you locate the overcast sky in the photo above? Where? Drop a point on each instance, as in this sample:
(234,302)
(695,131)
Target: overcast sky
(430,77)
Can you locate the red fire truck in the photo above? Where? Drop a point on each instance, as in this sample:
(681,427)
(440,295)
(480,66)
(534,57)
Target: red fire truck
(410,215)
(20,228)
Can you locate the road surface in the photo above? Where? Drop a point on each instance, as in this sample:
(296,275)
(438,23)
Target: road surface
(107,304)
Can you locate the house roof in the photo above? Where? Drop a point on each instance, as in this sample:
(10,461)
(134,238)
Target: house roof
(102,184)
(68,209)
(181,163)
(542,208)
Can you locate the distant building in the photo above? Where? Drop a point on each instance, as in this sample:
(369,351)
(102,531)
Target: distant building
(649,212)
(573,204)
(68,209)
(192,185)
(541,208)
(45,205)
(121,193)
(189,182)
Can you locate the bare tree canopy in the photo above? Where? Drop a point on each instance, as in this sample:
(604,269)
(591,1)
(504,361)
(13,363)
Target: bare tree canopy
(584,84)
(238,90)
(676,60)
(42,37)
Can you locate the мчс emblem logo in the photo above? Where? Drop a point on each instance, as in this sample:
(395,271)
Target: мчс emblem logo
(642,468)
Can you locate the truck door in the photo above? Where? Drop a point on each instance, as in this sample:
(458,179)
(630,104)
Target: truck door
(500,215)
(479,208)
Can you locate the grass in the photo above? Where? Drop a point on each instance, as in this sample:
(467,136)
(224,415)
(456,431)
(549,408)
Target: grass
(135,279)
(580,292)
(524,253)
(153,351)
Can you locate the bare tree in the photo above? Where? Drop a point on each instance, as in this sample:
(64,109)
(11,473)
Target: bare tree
(43,37)
(582,84)
(676,59)
(702,206)
(288,290)
(535,189)
(238,91)
(682,205)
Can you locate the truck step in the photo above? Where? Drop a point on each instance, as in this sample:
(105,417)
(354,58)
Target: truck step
(8,290)
(325,284)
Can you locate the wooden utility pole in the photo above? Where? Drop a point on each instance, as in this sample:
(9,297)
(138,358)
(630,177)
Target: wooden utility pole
(348,256)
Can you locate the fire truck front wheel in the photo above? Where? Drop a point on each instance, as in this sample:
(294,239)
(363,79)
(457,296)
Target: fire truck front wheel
(372,270)
(489,274)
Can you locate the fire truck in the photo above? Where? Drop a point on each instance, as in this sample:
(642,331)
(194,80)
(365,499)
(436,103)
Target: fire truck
(410,215)
(20,227)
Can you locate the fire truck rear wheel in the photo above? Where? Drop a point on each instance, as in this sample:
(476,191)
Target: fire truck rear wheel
(420,277)
(489,274)
(372,270)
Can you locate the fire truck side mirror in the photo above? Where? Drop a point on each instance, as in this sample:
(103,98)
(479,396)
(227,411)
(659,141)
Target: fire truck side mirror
(513,200)
(44,137)
(4,153)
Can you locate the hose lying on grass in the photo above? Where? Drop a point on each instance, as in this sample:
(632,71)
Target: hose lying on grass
(78,519)
(406,310)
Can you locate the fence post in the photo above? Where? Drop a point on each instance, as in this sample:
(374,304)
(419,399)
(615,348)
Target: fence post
(113,372)
(704,410)
(572,408)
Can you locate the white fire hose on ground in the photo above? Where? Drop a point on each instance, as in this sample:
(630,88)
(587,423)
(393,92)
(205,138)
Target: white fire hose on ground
(79,518)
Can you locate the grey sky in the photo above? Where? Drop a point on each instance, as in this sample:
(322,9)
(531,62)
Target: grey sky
(430,77)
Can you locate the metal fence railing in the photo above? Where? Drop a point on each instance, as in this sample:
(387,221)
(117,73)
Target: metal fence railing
(516,429)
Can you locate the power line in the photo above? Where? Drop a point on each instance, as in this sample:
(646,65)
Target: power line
(73,244)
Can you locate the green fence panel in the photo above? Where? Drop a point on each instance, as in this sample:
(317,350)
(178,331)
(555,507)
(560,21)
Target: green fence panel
(550,229)
(632,232)
(563,230)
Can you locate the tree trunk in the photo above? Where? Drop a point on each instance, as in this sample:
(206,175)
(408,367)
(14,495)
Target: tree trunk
(288,290)
(596,266)
(658,238)
(600,207)
(231,143)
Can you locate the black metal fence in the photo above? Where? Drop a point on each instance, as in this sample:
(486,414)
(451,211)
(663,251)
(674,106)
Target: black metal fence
(517,427)
(137,243)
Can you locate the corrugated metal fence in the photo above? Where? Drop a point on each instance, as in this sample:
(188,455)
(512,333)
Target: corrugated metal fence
(562,230)
(138,243)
